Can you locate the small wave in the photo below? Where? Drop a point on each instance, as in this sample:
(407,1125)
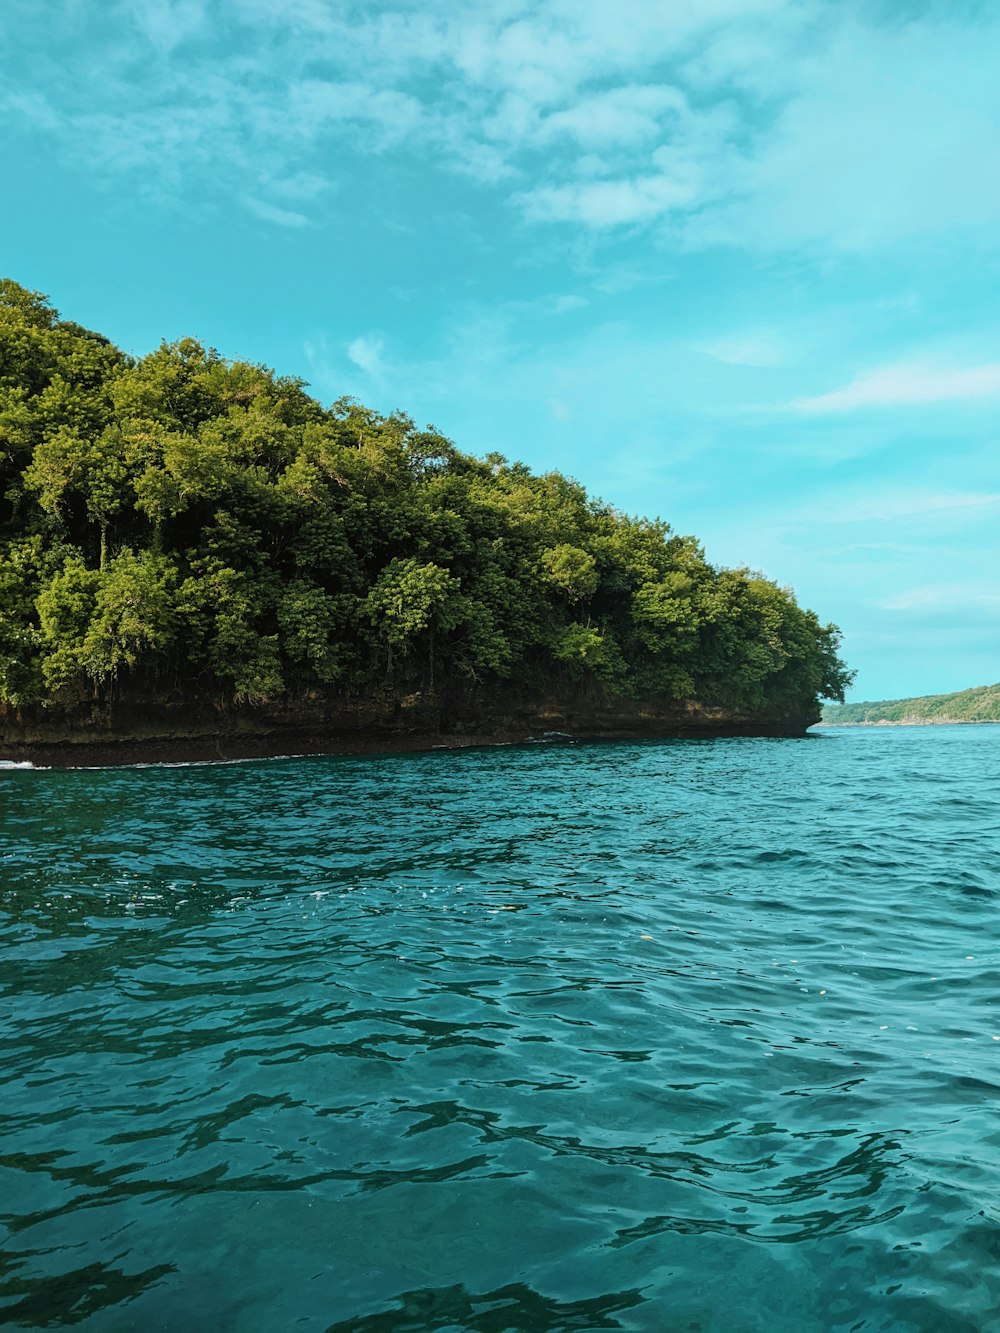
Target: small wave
(189,763)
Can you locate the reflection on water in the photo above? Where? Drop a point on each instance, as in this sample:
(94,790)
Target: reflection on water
(690,1035)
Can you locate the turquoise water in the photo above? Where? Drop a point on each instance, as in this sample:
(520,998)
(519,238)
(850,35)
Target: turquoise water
(695,1035)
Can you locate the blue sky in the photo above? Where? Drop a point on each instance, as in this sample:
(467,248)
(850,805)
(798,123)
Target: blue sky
(733,263)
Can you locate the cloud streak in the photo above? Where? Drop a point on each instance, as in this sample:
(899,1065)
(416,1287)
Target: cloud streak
(906,385)
(280,217)
(950,597)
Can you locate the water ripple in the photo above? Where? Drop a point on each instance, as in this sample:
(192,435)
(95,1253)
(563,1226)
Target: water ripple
(696,1035)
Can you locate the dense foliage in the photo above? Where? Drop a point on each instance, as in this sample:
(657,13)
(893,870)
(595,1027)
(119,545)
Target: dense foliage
(981,704)
(183,523)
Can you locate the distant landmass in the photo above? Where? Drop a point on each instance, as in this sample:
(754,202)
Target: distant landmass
(981,704)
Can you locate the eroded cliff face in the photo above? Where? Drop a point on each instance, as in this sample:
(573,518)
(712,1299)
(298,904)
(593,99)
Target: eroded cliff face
(157,727)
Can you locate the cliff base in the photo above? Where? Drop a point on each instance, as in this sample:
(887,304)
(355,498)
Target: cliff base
(161,731)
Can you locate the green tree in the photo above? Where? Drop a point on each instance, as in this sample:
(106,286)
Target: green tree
(65,611)
(133,620)
(190,520)
(66,466)
(572,571)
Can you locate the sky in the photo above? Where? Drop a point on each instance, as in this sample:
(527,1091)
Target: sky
(730,263)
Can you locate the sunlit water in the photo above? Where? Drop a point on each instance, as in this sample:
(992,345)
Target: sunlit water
(695,1035)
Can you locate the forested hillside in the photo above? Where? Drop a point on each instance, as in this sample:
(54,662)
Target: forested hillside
(190,526)
(981,704)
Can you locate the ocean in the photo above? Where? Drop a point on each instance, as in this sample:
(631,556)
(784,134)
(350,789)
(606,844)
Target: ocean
(687,1035)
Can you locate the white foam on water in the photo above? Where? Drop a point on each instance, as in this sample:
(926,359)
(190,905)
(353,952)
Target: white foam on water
(190,763)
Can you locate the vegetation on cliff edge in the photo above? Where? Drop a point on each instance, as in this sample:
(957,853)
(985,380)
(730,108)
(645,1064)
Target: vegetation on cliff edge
(981,704)
(183,525)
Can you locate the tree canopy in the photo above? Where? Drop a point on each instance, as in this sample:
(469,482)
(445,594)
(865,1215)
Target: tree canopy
(186,522)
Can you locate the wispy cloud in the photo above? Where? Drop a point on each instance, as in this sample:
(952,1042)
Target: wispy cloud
(367,354)
(624,116)
(281,217)
(609,203)
(764,123)
(950,597)
(764,350)
(905,385)
(168,23)
(318,105)
(884,504)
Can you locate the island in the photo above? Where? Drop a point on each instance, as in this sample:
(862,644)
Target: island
(980,704)
(197,557)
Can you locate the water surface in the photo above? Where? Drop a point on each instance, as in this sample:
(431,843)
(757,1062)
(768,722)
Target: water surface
(694,1035)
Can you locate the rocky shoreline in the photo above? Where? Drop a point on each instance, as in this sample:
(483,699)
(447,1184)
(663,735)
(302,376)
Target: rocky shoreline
(200,733)
(916,722)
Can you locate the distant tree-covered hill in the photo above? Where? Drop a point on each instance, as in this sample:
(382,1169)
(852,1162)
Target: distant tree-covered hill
(981,704)
(189,526)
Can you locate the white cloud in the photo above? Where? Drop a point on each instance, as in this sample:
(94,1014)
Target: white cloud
(564,304)
(609,203)
(763,350)
(31,109)
(167,23)
(302,186)
(316,103)
(952,597)
(882,133)
(859,543)
(366,354)
(756,123)
(617,118)
(495,91)
(905,385)
(281,217)
(891,503)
